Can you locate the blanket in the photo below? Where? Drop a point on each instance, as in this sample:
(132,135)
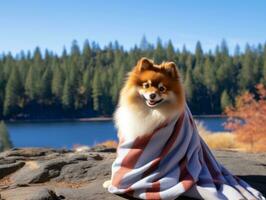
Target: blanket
(172,161)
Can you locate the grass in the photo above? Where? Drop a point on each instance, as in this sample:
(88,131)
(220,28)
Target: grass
(227,140)
(217,140)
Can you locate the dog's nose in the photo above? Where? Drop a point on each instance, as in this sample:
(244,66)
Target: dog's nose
(152,96)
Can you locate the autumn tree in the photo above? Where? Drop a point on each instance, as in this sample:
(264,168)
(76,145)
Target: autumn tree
(247,119)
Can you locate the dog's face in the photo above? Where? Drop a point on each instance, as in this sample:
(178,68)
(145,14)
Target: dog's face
(155,89)
(157,86)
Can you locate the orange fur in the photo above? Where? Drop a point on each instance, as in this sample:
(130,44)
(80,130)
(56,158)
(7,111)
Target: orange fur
(166,73)
(135,118)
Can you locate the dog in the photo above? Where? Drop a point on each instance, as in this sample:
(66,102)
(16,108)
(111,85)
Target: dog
(152,94)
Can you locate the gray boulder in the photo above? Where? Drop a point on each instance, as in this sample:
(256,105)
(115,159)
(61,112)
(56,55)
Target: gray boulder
(6,169)
(29,193)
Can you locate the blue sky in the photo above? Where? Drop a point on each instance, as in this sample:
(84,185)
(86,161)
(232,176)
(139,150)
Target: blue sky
(53,24)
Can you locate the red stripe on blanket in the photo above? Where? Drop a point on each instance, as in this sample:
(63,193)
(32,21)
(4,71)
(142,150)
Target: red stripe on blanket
(152,193)
(132,156)
(129,192)
(168,146)
(185,178)
(156,162)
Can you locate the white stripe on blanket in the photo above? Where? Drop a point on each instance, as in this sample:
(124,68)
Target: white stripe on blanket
(174,161)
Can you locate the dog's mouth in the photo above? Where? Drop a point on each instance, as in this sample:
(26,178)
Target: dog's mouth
(152,103)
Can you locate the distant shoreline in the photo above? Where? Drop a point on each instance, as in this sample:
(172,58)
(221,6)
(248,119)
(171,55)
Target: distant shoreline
(210,116)
(92,119)
(89,119)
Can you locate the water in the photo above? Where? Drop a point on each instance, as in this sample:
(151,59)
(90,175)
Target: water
(68,134)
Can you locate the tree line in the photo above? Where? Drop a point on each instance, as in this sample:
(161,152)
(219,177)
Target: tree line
(85,81)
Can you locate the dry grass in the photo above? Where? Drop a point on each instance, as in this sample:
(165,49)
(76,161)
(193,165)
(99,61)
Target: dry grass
(227,140)
(63,184)
(217,140)
(109,144)
(220,140)
(258,147)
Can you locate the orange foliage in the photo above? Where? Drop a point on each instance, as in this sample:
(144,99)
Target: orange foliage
(247,119)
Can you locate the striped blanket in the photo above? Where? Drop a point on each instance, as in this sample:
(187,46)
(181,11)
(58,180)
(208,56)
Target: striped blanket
(174,161)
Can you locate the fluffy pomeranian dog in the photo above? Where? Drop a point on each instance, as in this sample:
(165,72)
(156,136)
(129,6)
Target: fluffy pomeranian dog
(152,95)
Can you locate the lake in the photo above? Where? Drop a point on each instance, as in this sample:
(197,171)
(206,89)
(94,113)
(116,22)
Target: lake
(67,134)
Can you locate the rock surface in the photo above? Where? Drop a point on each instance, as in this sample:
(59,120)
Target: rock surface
(51,174)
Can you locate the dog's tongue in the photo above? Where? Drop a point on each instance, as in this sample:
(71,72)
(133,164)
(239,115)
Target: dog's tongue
(152,102)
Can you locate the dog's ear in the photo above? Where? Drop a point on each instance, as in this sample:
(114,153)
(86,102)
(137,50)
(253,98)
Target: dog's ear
(171,69)
(144,64)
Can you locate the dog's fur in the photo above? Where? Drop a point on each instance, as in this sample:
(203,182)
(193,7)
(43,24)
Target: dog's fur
(152,95)
(134,116)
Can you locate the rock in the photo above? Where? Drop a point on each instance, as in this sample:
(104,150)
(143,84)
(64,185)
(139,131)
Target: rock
(39,172)
(60,174)
(102,148)
(96,191)
(26,154)
(6,169)
(7,161)
(85,171)
(97,157)
(73,167)
(29,193)
(36,172)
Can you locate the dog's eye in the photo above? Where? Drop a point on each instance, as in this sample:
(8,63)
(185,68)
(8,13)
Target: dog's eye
(145,85)
(162,88)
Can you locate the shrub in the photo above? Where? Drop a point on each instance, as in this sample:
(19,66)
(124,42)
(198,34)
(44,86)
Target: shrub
(247,119)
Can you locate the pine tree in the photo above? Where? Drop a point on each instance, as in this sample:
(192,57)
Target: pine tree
(57,82)
(144,44)
(189,84)
(37,56)
(2,89)
(198,52)
(86,89)
(5,142)
(224,49)
(86,54)
(246,76)
(12,92)
(225,100)
(159,53)
(8,63)
(236,57)
(31,88)
(75,54)
(67,96)
(45,87)
(210,76)
(170,51)
(96,91)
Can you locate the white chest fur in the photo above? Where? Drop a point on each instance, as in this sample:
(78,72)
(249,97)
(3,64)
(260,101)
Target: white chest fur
(132,123)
